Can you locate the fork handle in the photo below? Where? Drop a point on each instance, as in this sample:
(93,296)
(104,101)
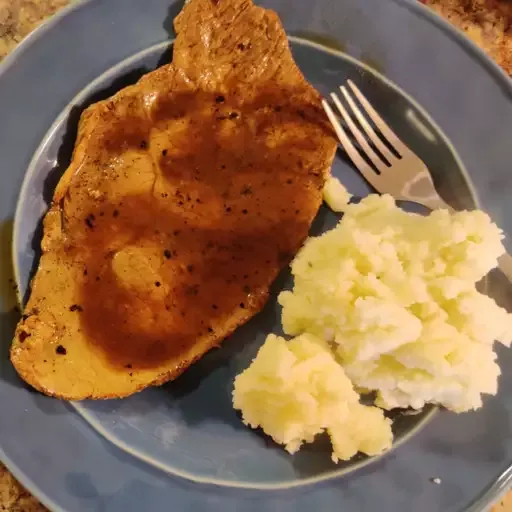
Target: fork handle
(504,261)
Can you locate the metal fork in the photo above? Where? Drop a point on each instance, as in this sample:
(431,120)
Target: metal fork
(403,175)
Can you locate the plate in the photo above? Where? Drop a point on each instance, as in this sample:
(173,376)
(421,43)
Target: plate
(182,445)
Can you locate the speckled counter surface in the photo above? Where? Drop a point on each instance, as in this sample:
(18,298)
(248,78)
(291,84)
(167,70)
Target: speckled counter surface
(19,17)
(487,22)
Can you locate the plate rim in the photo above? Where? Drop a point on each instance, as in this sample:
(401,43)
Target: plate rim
(503,480)
(77,405)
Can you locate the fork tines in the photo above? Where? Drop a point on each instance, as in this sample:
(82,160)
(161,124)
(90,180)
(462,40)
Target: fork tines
(381,158)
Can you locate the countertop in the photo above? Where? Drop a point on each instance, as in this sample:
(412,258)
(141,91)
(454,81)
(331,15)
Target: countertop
(487,22)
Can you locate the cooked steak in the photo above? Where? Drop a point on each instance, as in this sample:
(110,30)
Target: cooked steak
(186,195)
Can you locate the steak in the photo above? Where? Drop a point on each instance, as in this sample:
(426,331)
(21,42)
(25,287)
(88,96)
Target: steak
(187,193)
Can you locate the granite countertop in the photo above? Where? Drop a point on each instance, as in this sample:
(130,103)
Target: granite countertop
(487,22)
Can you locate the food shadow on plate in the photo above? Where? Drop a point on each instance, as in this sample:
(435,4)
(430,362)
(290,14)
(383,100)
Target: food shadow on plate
(8,321)
(174,9)
(499,288)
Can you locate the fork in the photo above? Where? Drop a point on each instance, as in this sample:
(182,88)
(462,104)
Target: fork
(400,172)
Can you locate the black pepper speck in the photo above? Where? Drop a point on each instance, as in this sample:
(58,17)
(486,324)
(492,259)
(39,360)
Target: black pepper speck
(89,220)
(23,336)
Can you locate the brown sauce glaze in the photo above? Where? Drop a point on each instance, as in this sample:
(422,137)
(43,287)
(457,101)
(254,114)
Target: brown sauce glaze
(223,216)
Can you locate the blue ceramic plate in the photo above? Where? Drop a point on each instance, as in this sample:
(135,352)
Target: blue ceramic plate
(181,446)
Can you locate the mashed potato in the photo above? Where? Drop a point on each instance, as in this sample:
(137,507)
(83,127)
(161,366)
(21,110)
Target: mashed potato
(394,294)
(335,194)
(296,390)
(386,302)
